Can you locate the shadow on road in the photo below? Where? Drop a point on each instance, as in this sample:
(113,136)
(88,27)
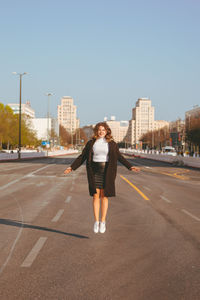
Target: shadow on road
(20,224)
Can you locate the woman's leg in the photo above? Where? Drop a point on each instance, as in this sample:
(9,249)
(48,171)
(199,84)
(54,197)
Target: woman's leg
(96,205)
(104,206)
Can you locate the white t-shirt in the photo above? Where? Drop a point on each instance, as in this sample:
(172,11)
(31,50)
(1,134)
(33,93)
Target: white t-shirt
(100,150)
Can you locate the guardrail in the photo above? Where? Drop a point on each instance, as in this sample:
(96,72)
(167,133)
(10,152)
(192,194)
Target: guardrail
(177,160)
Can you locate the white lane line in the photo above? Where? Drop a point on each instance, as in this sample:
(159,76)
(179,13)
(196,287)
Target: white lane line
(30,174)
(68,199)
(147,188)
(58,215)
(16,240)
(148,167)
(165,199)
(16,180)
(71,189)
(34,252)
(191,215)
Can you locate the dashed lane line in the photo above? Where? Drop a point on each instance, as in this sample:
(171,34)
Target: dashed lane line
(71,189)
(68,199)
(165,199)
(147,188)
(131,184)
(34,252)
(58,215)
(17,180)
(191,215)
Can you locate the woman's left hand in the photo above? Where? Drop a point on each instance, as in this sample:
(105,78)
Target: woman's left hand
(135,169)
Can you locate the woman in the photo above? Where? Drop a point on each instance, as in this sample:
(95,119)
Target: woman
(101,154)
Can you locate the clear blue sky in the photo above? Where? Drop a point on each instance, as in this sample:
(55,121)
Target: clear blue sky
(105,54)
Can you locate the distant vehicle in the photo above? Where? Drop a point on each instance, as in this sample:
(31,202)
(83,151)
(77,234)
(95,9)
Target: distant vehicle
(169,150)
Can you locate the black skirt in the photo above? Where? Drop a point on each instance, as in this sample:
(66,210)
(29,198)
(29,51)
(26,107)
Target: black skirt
(99,171)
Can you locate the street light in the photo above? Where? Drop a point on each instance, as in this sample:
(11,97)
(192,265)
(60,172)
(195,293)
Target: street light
(20,108)
(48,95)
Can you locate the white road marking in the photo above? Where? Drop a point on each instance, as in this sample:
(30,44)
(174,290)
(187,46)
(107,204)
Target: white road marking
(16,180)
(165,199)
(58,215)
(71,189)
(147,188)
(17,238)
(68,199)
(191,215)
(34,252)
(148,167)
(30,174)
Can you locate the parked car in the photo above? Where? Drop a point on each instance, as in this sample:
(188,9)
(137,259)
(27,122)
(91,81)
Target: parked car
(169,150)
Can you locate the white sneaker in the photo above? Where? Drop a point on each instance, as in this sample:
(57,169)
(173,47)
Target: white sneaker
(102,227)
(96,227)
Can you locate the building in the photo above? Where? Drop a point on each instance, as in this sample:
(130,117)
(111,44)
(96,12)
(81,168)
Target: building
(119,129)
(191,116)
(143,121)
(67,114)
(158,124)
(43,126)
(25,109)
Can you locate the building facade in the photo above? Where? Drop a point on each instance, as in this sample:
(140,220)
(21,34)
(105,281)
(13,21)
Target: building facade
(43,127)
(119,129)
(143,120)
(25,109)
(67,114)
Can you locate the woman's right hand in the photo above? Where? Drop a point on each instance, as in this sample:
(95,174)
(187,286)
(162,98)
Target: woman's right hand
(68,170)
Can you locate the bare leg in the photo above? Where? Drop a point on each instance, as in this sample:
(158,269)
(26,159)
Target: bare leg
(104,206)
(96,205)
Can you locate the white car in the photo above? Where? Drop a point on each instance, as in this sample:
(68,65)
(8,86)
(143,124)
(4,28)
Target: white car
(169,150)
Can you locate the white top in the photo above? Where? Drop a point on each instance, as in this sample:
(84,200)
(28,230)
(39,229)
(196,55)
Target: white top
(100,149)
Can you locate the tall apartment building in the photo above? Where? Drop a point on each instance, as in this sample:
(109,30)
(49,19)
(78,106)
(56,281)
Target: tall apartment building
(67,114)
(25,109)
(143,121)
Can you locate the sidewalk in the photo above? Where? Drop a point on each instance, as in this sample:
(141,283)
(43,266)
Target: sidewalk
(178,160)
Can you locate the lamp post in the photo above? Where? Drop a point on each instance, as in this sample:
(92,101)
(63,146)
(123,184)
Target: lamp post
(20,109)
(48,114)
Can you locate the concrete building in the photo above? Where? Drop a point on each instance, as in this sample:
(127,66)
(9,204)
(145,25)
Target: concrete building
(158,124)
(44,125)
(119,129)
(25,109)
(143,121)
(67,114)
(191,115)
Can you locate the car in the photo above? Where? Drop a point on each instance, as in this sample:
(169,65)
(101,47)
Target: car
(169,150)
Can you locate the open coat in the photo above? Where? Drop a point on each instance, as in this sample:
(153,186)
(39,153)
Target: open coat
(114,156)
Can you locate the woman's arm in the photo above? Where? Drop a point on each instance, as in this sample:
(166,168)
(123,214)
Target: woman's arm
(125,162)
(79,160)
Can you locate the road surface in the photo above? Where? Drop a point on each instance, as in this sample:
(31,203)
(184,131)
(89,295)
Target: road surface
(151,249)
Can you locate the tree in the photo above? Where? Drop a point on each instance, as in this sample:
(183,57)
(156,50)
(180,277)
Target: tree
(9,129)
(65,137)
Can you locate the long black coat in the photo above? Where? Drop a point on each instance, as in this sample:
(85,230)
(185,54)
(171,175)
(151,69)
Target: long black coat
(114,156)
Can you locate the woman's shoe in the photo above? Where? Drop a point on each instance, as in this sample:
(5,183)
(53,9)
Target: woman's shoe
(102,227)
(96,227)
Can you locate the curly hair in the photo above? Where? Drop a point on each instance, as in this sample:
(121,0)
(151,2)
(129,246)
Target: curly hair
(108,135)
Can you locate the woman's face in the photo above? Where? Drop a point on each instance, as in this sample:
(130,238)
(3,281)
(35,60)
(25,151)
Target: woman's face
(101,132)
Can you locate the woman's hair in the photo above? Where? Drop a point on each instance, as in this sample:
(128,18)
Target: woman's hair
(108,136)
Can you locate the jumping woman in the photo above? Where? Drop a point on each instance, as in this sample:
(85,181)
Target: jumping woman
(101,154)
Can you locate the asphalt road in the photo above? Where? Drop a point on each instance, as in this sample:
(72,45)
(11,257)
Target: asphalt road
(151,249)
